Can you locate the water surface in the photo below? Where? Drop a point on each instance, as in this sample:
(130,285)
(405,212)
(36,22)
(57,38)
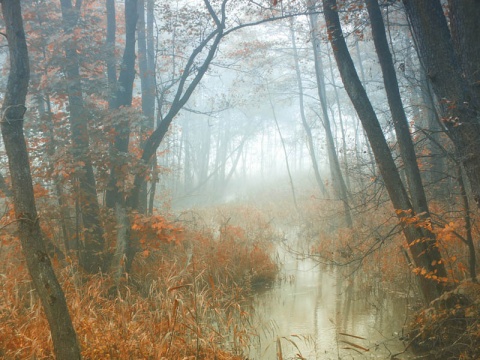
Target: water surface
(315,314)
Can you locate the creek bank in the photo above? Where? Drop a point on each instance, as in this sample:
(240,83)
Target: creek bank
(450,327)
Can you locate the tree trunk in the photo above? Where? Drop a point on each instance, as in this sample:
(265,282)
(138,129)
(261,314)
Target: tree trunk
(204,153)
(458,103)
(51,147)
(285,152)
(400,122)
(425,252)
(91,255)
(306,126)
(438,166)
(110,52)
(147,76)
(187,163)
(338,180)
(342,127)
(472,259)
(39,266)
(123,97)
(465,27)
(240,151)
(151,68)
(181,97)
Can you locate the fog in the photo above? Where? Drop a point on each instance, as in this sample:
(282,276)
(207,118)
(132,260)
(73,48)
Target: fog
(226,179)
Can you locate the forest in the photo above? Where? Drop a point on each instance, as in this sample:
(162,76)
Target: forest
(249,179)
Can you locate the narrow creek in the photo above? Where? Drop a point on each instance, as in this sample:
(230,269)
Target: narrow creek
(313,314)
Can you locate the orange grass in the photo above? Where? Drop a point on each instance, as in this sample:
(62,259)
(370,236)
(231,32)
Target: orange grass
(185,300)
(375,245)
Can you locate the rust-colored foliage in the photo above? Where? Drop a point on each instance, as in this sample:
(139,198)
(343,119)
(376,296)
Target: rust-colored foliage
(155,230)
(187,297)
(450,328)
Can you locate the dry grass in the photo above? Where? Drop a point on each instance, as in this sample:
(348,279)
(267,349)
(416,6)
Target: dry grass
(185,300)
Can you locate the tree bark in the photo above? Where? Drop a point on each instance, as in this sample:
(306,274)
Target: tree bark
(425,252)
(147,77)
(458,103)
(110,52)
(39,266)
(123,97)
(115,197)
(339,182)
(465,26)
(400,122)
(91,255)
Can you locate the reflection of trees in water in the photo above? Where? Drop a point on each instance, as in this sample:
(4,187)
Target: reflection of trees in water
(326,314)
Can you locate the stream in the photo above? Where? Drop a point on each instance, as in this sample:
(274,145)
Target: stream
(311,314)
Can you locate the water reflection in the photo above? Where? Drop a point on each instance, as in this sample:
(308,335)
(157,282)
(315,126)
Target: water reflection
(314,314)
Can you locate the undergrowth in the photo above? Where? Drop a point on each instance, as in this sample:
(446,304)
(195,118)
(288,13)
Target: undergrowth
(188,298)
(375,257)
(450,327)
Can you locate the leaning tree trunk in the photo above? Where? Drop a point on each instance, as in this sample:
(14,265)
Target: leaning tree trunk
(425,252)
(181,97)
(339,182)
(400,122)
(39,266)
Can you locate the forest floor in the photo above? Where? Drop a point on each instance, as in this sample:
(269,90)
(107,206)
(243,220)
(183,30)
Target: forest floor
(449,328)
(189,294)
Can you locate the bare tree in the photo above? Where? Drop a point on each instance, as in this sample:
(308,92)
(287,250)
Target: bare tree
(305,124)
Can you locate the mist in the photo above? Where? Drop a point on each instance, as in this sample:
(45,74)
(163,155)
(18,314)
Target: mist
(239,180)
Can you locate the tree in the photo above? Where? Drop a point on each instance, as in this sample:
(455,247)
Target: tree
(337,176)
(110,51)
(465,25)
(305,124)
(400,122)
(146,66)
(39,266)
(449,63)
(91,254)
(123,98)
(182,95)
(424,250)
